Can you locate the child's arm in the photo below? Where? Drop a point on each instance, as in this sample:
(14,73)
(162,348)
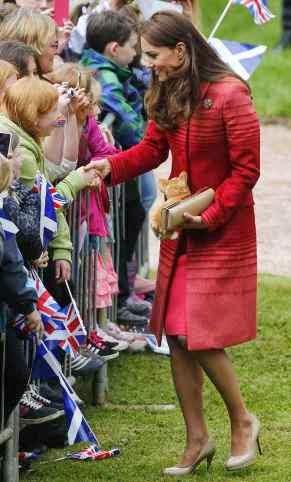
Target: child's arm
(97,145)
(129,123)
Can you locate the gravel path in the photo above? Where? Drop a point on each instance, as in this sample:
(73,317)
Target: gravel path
(273,203)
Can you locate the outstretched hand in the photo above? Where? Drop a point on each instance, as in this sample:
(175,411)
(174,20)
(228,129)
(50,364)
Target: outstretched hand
(102,167)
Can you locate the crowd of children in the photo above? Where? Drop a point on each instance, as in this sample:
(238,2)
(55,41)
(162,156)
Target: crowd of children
(53,97)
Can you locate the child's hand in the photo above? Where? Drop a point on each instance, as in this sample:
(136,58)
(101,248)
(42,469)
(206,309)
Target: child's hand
(64,35)
(187,7)
(90,176)
(42,261)
(102,167)
(34,323)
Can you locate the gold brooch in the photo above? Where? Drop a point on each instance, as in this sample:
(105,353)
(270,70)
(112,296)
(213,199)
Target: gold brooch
(207,103)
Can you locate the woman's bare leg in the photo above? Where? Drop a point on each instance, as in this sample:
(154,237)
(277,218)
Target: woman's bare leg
(188,380)
(219,369)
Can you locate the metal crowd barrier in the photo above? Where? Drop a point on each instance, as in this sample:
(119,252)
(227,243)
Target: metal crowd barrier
(84,279)
(9,431)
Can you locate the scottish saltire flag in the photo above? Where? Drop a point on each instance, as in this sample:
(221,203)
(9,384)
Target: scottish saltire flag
(242,58)
(9,228)
(258,9)
(48,216)
(76,332)
(78,428)
(50,200)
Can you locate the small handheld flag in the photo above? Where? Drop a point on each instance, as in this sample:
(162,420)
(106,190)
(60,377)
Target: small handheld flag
(78,428)
(50,200)
(242,58)
(94,453)
(258,9)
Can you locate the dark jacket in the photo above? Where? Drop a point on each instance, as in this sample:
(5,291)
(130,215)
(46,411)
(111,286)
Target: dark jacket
(23,208)
(16,289)
(2,239)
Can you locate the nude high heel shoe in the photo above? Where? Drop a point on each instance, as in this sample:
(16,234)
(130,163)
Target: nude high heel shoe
(207,453)
(241,461)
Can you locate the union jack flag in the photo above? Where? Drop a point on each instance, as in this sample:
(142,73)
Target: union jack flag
(59,200)
(258,9)
(94,452)
(9,228)
(46,304)
(51,315)
(76,332)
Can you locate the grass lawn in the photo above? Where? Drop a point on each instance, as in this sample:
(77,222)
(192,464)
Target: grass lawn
(152,440)
(271,81)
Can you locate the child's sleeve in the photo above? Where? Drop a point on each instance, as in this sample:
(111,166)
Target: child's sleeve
(129,125)
(97,145)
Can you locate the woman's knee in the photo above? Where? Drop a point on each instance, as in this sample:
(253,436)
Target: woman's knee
(177,343)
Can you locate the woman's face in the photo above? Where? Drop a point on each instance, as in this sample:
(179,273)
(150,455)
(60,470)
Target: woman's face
(31,66)
(164,61)
(46,59)
(37,5)
(47,122)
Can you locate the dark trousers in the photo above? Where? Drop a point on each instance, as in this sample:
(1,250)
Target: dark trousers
(16,375)
(131,218)
(286,16)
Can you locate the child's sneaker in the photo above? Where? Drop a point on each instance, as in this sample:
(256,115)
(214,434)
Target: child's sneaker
(100,347)
(113,330)
(33,412)
(121,344)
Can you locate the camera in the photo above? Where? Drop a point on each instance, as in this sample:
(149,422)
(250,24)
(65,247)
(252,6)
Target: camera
(71,93)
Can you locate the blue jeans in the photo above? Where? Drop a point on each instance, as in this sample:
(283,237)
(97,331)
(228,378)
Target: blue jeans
(148,190)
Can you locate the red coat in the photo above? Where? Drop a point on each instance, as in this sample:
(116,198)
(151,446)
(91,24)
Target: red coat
(221,265)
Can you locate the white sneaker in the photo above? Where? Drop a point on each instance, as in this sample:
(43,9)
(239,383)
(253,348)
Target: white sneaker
(137,346)
(122,344)
(160,350)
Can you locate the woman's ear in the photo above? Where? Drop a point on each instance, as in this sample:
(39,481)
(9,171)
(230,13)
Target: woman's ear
(180,51)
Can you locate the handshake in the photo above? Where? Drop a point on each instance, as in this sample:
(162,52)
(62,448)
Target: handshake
(95,171)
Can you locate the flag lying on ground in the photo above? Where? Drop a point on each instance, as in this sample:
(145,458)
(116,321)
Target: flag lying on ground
(258,9)
(78,428)
(242,58)
(9,228)
(93,453)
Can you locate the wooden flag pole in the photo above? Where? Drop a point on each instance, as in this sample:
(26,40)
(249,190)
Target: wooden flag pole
(221,18)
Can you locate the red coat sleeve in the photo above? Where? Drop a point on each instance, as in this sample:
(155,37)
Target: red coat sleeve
(145,156)
(243,140)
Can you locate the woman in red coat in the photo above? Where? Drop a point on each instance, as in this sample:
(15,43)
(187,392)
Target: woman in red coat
(205,300)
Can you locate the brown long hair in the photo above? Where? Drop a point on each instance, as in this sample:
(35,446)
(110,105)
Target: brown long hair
(177,98)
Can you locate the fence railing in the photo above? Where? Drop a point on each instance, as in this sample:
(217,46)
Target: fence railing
(84,269)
